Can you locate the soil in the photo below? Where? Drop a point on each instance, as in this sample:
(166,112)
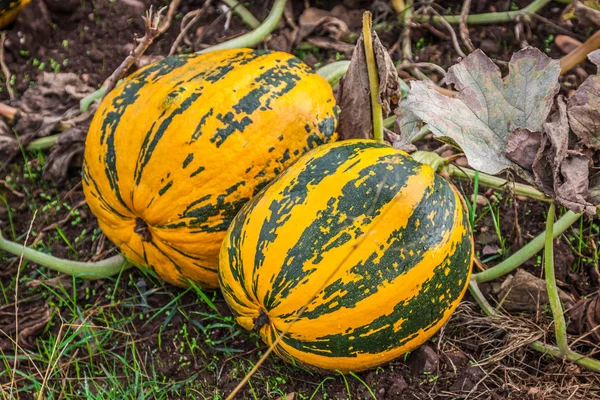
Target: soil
(91,38)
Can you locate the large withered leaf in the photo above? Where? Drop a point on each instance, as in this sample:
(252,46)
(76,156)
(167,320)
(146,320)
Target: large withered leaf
(487,107)
(354,93)
(584,108)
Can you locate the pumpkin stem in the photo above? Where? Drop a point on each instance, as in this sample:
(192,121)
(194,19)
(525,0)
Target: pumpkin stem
(376,111)
(261,320)
(141,228)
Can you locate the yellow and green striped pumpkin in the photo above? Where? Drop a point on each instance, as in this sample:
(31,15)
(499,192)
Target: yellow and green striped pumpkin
(174,152)
(9,9)
(381,241)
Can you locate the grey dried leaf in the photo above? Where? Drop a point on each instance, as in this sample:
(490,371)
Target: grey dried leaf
(584,108)
(594,57)
(354,93)
(331,44)
(487,107)
(586,15)
(53,94)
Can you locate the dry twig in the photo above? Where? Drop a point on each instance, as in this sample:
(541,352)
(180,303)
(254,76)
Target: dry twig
(5,70)
(450,31)
(170,15)
(463,28)
(187,24)
(151,22)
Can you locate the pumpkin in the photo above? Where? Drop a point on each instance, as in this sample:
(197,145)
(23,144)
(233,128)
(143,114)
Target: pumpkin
(374,244)
(174,152)
(9,9)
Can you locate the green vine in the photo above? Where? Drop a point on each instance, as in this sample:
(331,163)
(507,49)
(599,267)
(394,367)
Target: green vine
(85,270)
(248,18)
(527,251)
(256,36)
(485,18)
(560,326)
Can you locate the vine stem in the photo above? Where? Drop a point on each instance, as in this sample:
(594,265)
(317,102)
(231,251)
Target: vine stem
(487,18)
(85,270)
(497,183)
(560,326)
(333,72)
(376,111)
(254,37)
(527,251)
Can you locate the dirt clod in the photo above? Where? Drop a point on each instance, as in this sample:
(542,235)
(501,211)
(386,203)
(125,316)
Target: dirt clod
(423,360)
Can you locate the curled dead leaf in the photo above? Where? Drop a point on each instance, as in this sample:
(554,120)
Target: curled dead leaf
(67,152)
(354,93)
(584,317)
(587,12)
(318,22)
(32,319)
(523,146)
(584,108)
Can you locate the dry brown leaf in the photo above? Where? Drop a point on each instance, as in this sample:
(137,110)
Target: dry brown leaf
(522,147)
(67,152)
(584,317)
(526,292)
(354,93)
(584,108)
(587,12)
(562,173)
(45,107)
(32,320)
(331,44)
(289,396)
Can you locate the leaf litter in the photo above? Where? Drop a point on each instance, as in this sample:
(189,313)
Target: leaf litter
(52,105)
(518,122)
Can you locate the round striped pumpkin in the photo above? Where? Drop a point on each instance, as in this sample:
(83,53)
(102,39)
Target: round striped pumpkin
(374,244)
(174,152)
(9,9)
